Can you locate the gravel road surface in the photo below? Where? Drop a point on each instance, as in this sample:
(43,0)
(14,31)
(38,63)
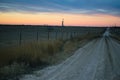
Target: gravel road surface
(97,60)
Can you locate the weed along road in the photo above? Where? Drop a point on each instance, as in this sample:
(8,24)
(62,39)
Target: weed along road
(97,60)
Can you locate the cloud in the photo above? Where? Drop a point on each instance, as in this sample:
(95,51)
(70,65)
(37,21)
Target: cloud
(111,7)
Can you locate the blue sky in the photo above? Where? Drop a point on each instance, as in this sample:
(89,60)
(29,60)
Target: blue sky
(111,7)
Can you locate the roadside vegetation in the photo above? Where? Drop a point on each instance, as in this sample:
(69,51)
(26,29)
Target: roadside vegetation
(25,58)
(116,36)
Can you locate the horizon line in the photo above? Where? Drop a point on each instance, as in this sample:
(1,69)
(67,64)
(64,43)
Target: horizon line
(45,25)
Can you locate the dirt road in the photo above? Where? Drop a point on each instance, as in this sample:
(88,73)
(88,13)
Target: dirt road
(98,60)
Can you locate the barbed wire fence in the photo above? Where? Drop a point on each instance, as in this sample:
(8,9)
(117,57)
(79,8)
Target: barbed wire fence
(20,35)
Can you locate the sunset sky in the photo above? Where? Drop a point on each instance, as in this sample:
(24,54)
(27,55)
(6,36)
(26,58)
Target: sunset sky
(51,12)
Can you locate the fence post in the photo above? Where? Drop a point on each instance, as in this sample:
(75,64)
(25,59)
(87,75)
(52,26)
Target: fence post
(37,36)
(56,35)
(68,34)
(71,36)
(61,36)
(20,37)
(48,34)
(74,34)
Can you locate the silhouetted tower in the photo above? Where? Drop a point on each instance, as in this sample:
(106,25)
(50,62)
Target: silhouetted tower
(62,22)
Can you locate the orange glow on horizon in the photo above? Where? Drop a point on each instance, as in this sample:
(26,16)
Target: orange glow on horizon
(56,18)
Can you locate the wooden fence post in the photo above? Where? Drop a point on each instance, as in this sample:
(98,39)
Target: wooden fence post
(20,37)
(71,36)
(56,35)
(37,36)
(67,35)
(74,34)
(48,34)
